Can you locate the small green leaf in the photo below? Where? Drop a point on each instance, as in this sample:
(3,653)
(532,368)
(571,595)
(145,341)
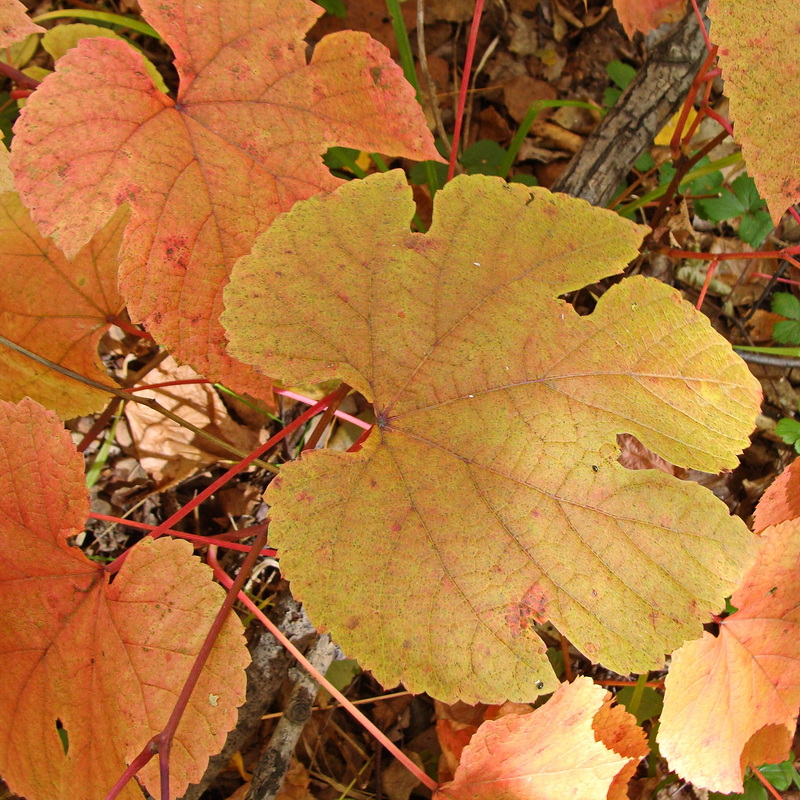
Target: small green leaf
(781,776)
(754,227)
(650,704)
(789,431)
(335,8)
(645,162)
(621,73)
(786,304)
(483,158)
(744,187)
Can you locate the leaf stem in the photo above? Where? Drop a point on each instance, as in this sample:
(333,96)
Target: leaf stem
(215,486)
(462,90)
(332,690)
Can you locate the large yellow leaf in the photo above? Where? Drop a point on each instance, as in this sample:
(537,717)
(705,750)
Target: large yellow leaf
(489,494)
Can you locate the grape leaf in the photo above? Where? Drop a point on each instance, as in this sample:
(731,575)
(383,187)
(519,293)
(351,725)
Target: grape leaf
(575,745)
(647,15)
(56,308)
(488,496)
(205,174)
(732,700)
(103,661)
(15,24)
(781,502)
(757,52)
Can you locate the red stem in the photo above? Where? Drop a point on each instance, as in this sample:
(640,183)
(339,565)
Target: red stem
(767,785)
(352,710)
(270,552)
(785,254)
(130,329)
(20,78)
(712,268)
(462,90)
(700,23)
(115,565)
(168,734)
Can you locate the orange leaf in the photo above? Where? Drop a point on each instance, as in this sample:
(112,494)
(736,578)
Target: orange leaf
(103,660)
(488,496)
(15,23)
(573,746)
(732,700)
(647,15)
(781,502)
(758,54)
(56,308)
(205,174)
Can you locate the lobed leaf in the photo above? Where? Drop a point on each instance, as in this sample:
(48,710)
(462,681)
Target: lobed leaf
(15,24)
(781,502)
(488,496)
(576,745)
(731,701)
(207,173)
(103,661)
(56,308)
(758,52)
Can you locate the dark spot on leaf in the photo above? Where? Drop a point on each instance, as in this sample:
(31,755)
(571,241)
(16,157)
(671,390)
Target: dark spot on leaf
(396,527)
(538,685)
(62,734)
(595,468)
(304,497)
(352,623)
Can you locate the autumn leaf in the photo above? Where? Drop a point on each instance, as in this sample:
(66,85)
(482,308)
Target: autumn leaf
(732,700)
(758,54)
(56,308)
(575,745)
(781,502)
(205,174)
(647,15)
(488,497)
(6,178)
(102,661)
(15,24)
(168,451)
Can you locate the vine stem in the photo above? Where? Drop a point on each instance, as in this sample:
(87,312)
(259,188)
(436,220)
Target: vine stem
(767,785)
(462,89)
(115,565)
(225,580)
(270,552)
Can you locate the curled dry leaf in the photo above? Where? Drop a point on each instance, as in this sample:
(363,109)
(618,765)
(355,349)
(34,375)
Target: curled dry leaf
(488,496)
(732,700)
(206,173)
(170,452)
(781,502)
(104,662)
(56,308)
(754,37)
(576,745)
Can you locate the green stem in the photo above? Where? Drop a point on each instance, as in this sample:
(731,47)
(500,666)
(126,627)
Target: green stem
(636,697)
(528,120)
(696,173)
(407,63)
(100,16)
(794,352)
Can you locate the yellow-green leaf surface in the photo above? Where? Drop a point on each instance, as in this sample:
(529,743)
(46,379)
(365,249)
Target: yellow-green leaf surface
(489,495)
(758,42)
(56,308)
(206,173)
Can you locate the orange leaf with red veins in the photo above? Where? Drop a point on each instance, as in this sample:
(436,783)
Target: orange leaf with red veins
(732,700)
(573,746)
(105,661)
(15,24)
(206,174)
(781,502)
(488,496)
(56,308)
(758,54)
(647,15)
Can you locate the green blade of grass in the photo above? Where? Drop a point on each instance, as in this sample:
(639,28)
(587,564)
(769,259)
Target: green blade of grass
(100,16)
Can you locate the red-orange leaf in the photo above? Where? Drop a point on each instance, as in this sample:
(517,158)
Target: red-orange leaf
(758,54)
(575,745)
(732,700)
(206,174)
(56,308)
(15,23)
(647,15)
(489,496)
(105,661)
(781,502)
